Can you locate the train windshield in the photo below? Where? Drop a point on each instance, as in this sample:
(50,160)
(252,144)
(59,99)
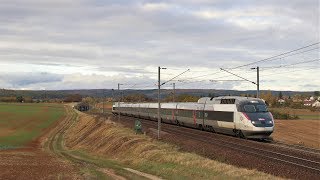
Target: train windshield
(253,108)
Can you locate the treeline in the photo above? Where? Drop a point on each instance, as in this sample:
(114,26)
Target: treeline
(26,99)
(16,99)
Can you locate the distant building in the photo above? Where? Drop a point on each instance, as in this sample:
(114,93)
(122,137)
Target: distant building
(316,104)
(308,102)
(281,101)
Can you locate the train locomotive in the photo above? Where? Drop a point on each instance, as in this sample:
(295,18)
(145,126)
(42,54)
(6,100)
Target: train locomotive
(243,117)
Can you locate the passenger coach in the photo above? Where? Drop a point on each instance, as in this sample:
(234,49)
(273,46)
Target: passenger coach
(240,116)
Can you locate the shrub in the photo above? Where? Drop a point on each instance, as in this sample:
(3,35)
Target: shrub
(280,115)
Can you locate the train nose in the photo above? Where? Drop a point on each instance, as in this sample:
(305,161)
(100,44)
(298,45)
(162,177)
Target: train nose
(261,119)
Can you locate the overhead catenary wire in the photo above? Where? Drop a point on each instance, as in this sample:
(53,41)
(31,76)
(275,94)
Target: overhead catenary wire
(203,78)
(286,65)
(286,72)
(280,56)
(270,58)
(175,77)
(209,74)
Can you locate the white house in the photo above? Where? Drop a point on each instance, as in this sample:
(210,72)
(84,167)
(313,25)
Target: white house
(316,104)
(281,101)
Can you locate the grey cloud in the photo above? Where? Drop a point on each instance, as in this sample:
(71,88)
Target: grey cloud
(17,80)
(124,36)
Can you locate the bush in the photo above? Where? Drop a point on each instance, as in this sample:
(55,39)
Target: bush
(279,115)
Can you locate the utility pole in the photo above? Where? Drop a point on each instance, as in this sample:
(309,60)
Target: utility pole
(159,118)
(103,102)
(174,91)
(119,96)
(258,81)
(112,97)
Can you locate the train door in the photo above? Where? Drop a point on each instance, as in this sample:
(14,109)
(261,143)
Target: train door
(199,116)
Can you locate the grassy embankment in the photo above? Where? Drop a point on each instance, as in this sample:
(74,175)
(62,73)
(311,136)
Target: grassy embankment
(111,146)
(22,123)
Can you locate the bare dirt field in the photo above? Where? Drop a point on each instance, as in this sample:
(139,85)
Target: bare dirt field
(298,132)
(21,147)
(34,163)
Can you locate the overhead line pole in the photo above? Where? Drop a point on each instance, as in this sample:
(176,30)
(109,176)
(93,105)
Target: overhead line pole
(174,91)
(103,102)
(159,118)
(119,96)
(258,81)
(112,97)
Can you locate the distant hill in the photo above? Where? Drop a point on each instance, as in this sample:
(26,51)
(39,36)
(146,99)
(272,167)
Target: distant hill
(153,93)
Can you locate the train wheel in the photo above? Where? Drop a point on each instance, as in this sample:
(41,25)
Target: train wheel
(241,135)
(201,127)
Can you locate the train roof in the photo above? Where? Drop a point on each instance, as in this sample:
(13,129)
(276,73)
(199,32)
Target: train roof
(201,101)
(227,100)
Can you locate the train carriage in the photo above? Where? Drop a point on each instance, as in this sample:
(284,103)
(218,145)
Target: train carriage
(239,116)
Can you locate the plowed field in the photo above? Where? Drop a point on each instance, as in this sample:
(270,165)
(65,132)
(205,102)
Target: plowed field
(298,132)
(23,130)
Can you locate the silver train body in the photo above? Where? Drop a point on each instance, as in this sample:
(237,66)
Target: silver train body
(240,116)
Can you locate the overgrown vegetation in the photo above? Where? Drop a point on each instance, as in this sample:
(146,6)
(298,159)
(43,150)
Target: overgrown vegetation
(281,115)
(110,142)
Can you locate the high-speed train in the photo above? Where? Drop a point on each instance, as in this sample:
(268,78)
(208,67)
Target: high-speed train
(243,117)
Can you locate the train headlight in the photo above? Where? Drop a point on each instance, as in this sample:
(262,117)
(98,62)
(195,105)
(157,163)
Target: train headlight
(253,122)
(270,122)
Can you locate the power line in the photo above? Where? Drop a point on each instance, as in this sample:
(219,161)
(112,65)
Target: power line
(298,53)
(286,72)
(268,59)
(238,76)
(286,65)
(175,77)
(214,80)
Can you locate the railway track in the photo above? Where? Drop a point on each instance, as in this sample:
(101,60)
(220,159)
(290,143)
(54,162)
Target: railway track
(301,160)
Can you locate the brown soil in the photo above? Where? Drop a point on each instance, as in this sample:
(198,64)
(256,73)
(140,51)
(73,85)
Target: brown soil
(300,132)
(33,162)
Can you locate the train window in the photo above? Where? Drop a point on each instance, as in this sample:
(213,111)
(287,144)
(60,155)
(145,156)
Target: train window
(249,108)
(262,108)
(227,101)
(219,116)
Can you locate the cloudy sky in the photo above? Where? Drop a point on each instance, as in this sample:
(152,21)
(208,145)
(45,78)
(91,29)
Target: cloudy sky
(86,44)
